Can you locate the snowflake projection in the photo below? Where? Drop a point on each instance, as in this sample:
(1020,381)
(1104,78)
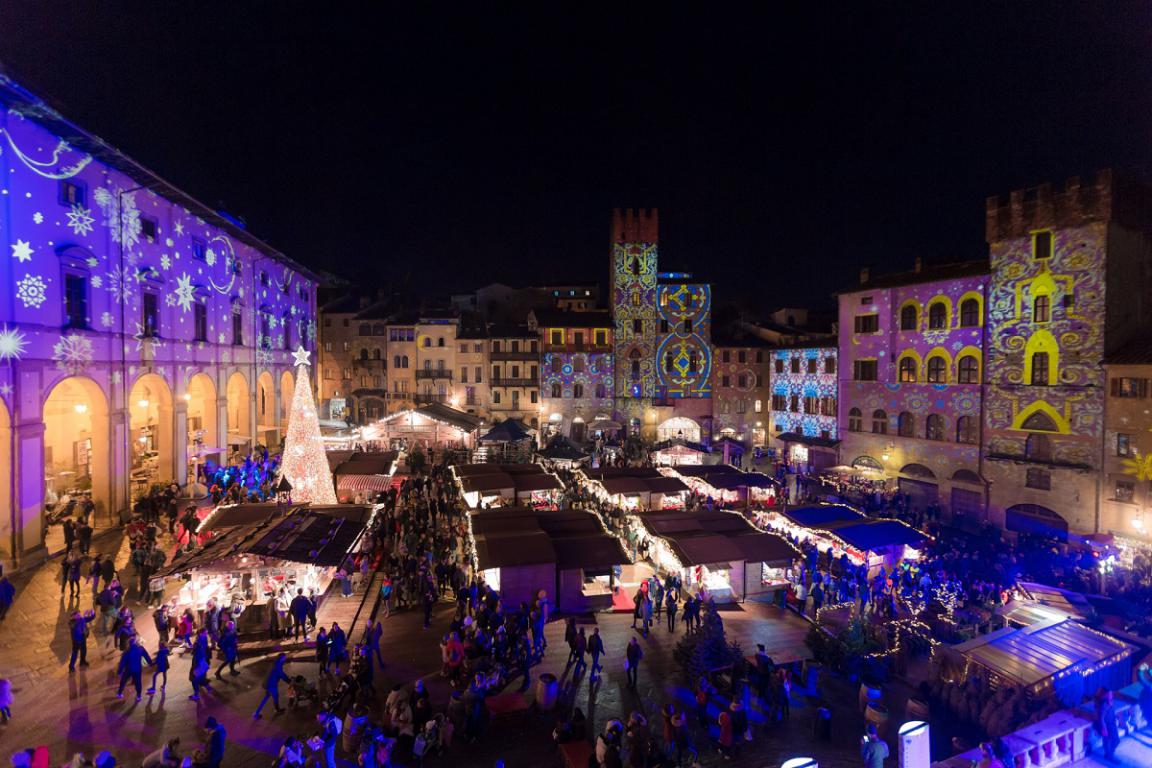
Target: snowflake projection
(185,292)
(210,257)
(73,353)
(38,217)
(263,356)
(1139,467)
(143,338)
(220,338)
(12,343)
(117,377)
(31,291)
(170,300)
(119,284)
(6,390)
(165,261)
(106,319)
(97,281)
(120,214)
(93,261)
(22,251)
(311,331)
(179,228)
(80,220)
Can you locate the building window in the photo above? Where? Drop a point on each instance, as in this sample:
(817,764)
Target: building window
(741,405)
(742,356)
(601,391)
(1042,245)
(724,380)
(479,377)
(1040,309)
(906,424)
(759,380)
(812,363)
(1038,479)
(601,339)
(934,427)
(855,420)
(1123,444)
(637,325)
(742,381)
(1038,448)
(810,405)
(199,322)
(1129,387)
(1039,369)
(496,397)
(532,396)
(148,228)
(237,330)
(199,249)
(908,319)
(968,370)
(880,422)
(794,403)
(758,406)
(864,370)
(75,301)
(346,374)
(867,323)
(907,369)
(937,316)
(779,365)
(829,365)
(778,403)
(72,193)
(693,361)
(440,341)
(936,370)
(969,313)
(557,391)
(577,390)
(150,315)
(1125,490)
(463,375)
(966,430)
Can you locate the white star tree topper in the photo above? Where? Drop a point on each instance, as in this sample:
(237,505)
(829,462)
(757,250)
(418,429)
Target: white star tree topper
(300,357)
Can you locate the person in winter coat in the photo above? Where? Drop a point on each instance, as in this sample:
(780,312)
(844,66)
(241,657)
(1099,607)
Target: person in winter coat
(78,630)
(338,646)
(229,647)
(322,650)
(131,667)
(159,667)
(724,739)
(272,685)
(634,653)
(739,717)
(595,648)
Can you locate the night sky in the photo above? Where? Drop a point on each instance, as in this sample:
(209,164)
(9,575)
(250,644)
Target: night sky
(443,151)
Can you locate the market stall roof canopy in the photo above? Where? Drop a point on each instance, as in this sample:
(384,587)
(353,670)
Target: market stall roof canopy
(561,448)
(634,480)
(1033,654)
(367,464)
(603,473)
(373,483)
(512,536)
(320,535)
(465,470)
(496,482)
(625,485)
(821,515)
(692,537)
(681,445)
(465,422)
(727,481)
(507,431)
(870,535)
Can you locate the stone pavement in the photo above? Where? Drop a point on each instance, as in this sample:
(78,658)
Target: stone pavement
(79,712)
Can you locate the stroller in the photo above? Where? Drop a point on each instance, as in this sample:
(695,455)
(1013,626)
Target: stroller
(300,691)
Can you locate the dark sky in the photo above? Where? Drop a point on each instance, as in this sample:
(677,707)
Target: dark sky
(446,150)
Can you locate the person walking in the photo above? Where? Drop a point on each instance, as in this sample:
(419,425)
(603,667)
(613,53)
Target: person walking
(373,637)
(724,735)
(595,648)
(131,667)
(634,654)
(670,605)
(338,646)
(322,650)
(570,637)
(198,669)
(873,749)
(78,629)
(330,727)
(272,686)
(646,607)
(160,666)
(229,649)
(160,617)
(578,651)
(1107,725)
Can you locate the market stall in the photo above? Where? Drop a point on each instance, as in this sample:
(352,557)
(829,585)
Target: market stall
(433,426)
(562,453)
(250,552)
(362,476)
(678,452)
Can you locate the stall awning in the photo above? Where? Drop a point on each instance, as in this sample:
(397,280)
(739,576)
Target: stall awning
(368,464)
(665,485)
(357,483)
(765,547)
(589,553)
(704,550)
(528,483)
(507,431)
(821,515)
(625,485)
(814,441)
(514,548)
(496,482)
(870,535)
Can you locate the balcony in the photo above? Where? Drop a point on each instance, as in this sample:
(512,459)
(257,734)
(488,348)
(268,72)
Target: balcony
(437,373)
(424,399)
(498,356)
(598,349)
(513,382)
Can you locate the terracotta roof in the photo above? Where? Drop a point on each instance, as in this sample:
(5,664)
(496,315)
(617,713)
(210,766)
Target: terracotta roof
(928,273)
(1136,352)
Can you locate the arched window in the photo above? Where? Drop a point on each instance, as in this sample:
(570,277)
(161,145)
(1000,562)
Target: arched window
(880,422)
(1040,369)
(365,329)
(363,354)
(404,361)
(577,390)
(908,319)
(936,369)
(937,316)
(906,424)
(396,361)
(968,370)
(969,313)
(556,390)
(427,341)
(601,391)
(907,369)
(1040,308)
(966,430)
(634,357)
(855,420)
(376,353)
(1038,447)
(440,341)
(1040,422)
(635,266)
(934,427)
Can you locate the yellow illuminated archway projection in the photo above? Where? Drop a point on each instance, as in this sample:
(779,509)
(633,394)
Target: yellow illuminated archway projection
(1042,341)
(1040,406)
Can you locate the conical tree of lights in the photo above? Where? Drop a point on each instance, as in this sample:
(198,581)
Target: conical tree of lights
(304,462)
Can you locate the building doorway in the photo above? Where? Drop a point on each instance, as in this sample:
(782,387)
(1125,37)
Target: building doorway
(77,446)
(150,425)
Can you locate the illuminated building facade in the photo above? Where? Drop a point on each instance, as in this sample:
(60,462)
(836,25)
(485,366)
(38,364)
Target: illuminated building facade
(633,302)
(471,386)
(910,370)
(740,390)
(142,333)
(576,370)
(514,380)
(1070,285)
(435,360)
(1126,502)
(803,405)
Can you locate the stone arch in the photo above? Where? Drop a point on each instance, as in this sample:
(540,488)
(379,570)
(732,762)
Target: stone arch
(967,476)
(151,425)
(678,427)
(267,422)
(1036,519)
(867,462)
(203,426)
(1044,342)
(918,470)
(287,392)
(8,522)
(1024,419)
(239,411)
(77,440)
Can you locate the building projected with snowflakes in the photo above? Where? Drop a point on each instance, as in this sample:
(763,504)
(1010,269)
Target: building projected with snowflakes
(144,333)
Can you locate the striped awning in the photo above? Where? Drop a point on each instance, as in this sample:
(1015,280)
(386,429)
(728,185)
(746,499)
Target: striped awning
(363,482)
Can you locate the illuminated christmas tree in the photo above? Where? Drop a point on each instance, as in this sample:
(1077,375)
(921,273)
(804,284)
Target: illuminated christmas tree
(305,463)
